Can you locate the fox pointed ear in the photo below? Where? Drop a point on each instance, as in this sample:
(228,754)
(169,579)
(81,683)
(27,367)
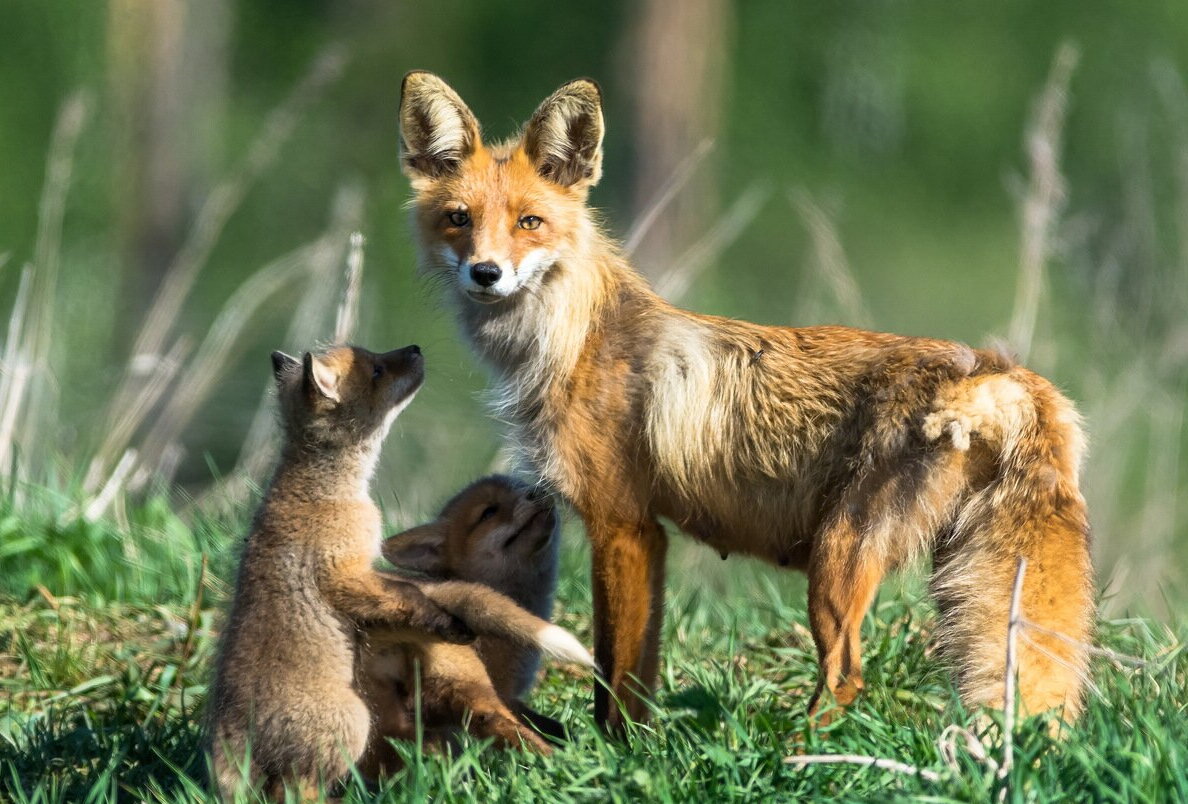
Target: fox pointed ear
(283,365)
(420,548)
(320,378)
(437,130)
(564,137)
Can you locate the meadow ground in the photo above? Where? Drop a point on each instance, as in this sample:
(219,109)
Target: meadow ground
(110,597)
(102,700)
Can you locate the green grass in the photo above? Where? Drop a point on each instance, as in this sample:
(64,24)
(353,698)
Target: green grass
(102,700)
(149,554)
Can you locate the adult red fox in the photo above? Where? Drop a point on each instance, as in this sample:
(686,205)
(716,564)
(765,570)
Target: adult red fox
(836,451)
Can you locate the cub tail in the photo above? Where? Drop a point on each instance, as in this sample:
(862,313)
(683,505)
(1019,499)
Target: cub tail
(489,613)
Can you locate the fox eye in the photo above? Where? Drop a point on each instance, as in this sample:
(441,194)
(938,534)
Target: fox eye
(377,372)
(530,222)
(459,217)
(488,512)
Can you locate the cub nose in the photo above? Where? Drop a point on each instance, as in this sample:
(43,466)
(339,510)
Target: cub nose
(485,273)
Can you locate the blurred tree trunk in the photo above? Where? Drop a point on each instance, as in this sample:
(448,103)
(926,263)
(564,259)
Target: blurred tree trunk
(677,52)
(167,80)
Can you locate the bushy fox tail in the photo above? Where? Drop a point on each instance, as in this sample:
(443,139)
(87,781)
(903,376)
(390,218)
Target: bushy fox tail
(1026,504)
(489,613)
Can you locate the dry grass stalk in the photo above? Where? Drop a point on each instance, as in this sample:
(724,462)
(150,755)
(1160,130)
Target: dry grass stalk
(124,428)
(226,198)
(685,270)
(830,259)
(25,395)
(211,359)
(99,504)
(348,309)
(947,747)
(14,371)
(1112,655)
(869,762)
(1008,689)
(219,206)
(668,191)
(1044,199)
(72,117)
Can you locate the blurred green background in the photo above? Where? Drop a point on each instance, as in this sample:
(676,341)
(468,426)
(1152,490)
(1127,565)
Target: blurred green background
(879,142)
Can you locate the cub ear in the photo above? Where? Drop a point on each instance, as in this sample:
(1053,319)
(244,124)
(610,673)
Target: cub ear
(320,378)
(419,549)
(564,137)
(437,130)
(283,365)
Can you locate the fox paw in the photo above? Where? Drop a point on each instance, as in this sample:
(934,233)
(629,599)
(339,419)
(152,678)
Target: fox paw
(448,627)
(432,618)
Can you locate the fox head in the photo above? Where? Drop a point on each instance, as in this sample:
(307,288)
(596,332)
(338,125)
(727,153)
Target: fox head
(496,531)
(497,218)
(345,396)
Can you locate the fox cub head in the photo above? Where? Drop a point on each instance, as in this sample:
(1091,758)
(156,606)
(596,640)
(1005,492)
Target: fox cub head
(497,218)
(497,531)
(345,396)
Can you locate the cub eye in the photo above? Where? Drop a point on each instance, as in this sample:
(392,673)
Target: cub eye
(377,372)
(530,222)
(459,217)
(488,512)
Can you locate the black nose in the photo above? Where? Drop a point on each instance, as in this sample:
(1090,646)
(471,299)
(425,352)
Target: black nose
(485,273)
(416,350)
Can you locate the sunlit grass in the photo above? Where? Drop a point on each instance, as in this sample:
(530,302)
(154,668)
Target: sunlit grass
(103,703)
(48,543)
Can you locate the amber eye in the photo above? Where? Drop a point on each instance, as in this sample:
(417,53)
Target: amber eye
(488,512)
(459,217)
(530,222)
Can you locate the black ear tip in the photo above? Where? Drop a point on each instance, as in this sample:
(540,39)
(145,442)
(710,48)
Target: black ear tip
(282,361)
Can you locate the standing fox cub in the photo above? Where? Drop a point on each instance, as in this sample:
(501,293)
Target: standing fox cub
(836,451)
(500,533)
(284,707)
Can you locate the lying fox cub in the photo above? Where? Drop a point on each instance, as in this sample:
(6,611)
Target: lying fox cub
(501,533)
(284,708)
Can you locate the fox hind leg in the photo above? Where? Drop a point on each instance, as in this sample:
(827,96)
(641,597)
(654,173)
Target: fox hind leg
(842,584)
(497,721)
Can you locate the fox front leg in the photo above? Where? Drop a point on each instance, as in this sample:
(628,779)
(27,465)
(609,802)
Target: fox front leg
(628,584)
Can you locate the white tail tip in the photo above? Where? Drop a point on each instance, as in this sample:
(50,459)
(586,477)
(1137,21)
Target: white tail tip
(558,643)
